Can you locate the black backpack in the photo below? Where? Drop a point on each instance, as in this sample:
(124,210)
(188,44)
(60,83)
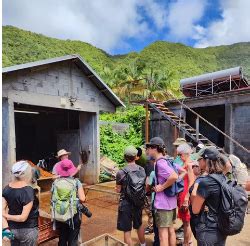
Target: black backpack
(178,186)
(135,186)
(233,206)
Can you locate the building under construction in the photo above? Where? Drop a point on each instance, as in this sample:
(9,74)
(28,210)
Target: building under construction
(215,111)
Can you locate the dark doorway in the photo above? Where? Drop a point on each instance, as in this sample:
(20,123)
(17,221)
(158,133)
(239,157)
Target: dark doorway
(37,129)
(216,116)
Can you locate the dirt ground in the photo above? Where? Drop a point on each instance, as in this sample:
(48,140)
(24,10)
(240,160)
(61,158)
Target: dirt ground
(103,205)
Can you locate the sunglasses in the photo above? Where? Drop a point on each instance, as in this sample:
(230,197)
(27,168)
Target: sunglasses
(194,166)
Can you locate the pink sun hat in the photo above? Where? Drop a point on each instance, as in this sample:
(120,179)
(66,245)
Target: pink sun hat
(66,168)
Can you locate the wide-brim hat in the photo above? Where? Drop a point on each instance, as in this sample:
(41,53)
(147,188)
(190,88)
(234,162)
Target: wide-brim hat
(66,168)
(179,141)
(62,152)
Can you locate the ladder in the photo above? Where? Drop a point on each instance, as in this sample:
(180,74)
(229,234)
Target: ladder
(188,130)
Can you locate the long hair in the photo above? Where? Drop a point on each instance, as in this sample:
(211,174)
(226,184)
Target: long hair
(215,166)
(162,149)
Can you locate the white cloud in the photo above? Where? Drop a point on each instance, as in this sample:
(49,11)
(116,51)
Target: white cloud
(232,28)
(104,23)
(156,12)
(183,16)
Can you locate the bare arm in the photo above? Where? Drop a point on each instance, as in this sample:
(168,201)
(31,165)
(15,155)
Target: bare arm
(23,216)
(197,204)
(171,179)
(191,176)
(194,192)
(182,172)
(81,194)
(4,211)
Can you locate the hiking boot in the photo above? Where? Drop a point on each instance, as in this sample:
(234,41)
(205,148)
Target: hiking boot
(180,229)
(148,230)
(180,233)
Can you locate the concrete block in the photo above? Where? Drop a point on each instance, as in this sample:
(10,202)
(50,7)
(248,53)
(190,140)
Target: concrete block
(51,78)
(53,72)
(17,86)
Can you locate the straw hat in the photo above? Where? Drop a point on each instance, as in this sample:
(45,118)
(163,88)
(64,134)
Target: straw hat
(62,152)
(179,141)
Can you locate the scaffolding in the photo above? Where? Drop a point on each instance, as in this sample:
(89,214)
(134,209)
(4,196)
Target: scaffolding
(213,83)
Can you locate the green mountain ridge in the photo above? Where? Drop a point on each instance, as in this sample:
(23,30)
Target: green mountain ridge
(20,46)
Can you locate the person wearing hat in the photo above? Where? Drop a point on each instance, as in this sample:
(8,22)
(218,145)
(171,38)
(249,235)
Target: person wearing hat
(176,143)
(19,197)
(68,232)
(164,206)
(63,155)
(129,215)
(209,194)
(184,151)
(179,141)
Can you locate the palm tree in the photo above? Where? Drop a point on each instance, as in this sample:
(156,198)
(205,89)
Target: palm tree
(158,83)
(131,80)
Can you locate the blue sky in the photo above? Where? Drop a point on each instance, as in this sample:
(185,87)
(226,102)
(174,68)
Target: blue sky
(122,26)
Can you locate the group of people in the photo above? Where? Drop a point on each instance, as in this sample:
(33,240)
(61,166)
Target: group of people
(165,188)
(196,203)
(20,204)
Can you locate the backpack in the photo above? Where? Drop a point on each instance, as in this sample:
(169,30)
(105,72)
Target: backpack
(239,170)
(135,186)
(177,186)
(232,208)
(64,201)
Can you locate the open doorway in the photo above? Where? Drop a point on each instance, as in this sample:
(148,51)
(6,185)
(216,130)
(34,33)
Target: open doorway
(216,116)
(39,130)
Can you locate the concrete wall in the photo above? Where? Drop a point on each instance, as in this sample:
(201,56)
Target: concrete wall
(52,86)
(90,141)
(55,84)
(8,139)
(241,130)
(162,128)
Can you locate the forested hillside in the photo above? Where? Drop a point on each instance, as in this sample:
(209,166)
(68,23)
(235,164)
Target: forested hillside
(173,60)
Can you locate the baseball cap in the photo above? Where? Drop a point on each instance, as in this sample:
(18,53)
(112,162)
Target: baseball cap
(130,151)
(179,141)
(156,141)
(210,153)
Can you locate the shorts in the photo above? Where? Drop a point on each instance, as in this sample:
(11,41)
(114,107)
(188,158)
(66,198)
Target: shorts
(209,236)
(184,215)
(165,218)
(25,237)
(129,216)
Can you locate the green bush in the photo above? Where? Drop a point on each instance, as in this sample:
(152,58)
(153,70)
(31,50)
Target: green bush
(113,143)
(134,115)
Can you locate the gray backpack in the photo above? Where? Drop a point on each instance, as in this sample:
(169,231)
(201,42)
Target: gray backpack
(233,205)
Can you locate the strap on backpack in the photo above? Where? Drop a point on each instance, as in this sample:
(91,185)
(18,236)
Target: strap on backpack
(156,168)
(74,183)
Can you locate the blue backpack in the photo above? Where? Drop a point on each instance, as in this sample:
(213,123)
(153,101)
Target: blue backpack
(177,186)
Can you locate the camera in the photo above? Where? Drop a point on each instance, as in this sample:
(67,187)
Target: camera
(83,209)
